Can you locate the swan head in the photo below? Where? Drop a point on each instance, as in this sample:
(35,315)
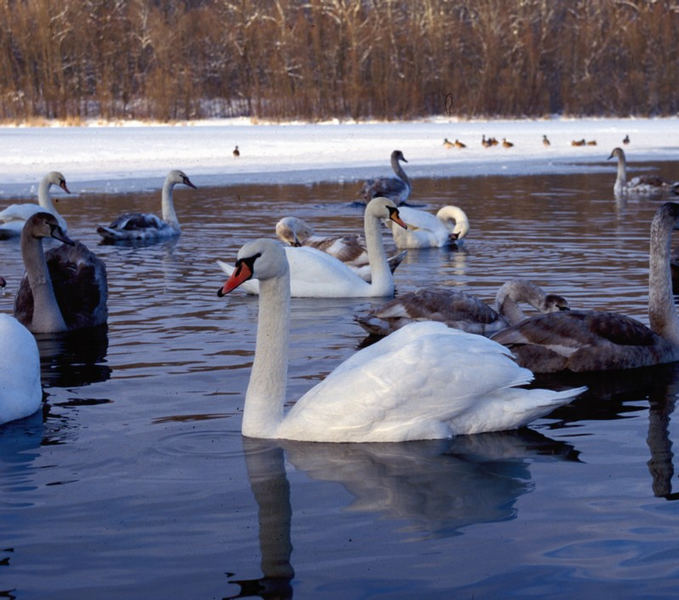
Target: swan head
(385,209)
(293,231)
(259,259)
(398,156)
(616,153)
(44,224)
(176,176)
(554,303)
(56,178)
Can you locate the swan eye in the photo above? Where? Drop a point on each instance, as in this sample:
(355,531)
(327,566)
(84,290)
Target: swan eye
(249,262)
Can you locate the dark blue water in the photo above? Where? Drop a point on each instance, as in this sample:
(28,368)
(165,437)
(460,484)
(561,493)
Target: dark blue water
(136,483)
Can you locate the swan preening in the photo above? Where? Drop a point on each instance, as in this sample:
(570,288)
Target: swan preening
(64,288)
(349,249)
(425,381)
(147,226)
(316,274)
(460,309)
(397,188)
(596,341)
(642,185)
(448,227)
(14,217)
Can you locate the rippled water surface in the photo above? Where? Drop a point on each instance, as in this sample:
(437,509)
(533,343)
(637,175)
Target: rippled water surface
(136,482)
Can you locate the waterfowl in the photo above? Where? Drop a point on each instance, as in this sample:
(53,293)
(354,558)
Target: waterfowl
(316,274)
(597,341)
(625,140)
(14,217)
(236,152)
(545,141)
(591,142)
(460,309)
(20,390)
(578,142)
(147,226)
(396,188)
(64,288)
(448,227)
(447,143)
(349,249)
(643,185)
(425,381)
(506,143)
(459,144)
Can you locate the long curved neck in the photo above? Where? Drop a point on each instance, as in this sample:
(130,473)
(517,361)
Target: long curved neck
(662,314)
(621,178)
(398,169)
(265,397)
(513,292)
(381,277)
(47,315)
(167,206)
(454,219)
(44,198)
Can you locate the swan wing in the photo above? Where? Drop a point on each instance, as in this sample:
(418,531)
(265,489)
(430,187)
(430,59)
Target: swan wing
(424,230)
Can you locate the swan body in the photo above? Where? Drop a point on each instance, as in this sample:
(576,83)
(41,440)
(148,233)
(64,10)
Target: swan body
(642,185)
(448,227)
(425,381)
(460,309)
(597,341)
(64,288)
(147,226)
(316,274)
(14,217)
(349,249)
(20,391)
(397,188)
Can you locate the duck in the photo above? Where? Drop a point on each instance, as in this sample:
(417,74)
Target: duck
(643,185)
(448,227)
(424,381)
(506,143)
(316,274)
(397,188)
(582,341)
(581,142)
(65,288)
(349,249)
(460,309)
(625,140)
(447,143)
(459,144)
(13,218)
(545,141)
(147,226)
(236,152)
(20,386)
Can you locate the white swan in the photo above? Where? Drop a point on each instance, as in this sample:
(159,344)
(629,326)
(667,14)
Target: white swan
(349,249)
(425,381)
(643,185)
(597,341)
(13,218)
(64,288)
(147,226)
(315,274)
(20,391)
(397,188)
(448,227)
(460,309)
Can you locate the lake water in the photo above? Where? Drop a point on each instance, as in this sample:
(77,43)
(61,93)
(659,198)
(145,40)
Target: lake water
(136,482)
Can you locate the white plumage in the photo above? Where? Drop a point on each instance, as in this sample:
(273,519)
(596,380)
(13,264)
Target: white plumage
(448,227)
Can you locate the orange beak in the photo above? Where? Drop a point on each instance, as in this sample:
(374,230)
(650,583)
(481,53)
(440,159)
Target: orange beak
(394,216)
(241,274)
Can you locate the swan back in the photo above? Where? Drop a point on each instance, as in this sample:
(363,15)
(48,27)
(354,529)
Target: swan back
(425,230)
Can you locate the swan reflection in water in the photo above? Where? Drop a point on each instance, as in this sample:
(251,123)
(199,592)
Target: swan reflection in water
(437,487)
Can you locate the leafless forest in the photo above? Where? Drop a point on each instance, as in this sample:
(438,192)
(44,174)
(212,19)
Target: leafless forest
(350,59)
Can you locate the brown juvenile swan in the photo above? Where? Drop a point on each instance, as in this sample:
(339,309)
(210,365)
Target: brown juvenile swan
(395,188)
(64,288)
(642,185)
(596,341)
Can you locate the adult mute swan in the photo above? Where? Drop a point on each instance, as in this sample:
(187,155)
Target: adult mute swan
(147,226)
(597,341)
(397,188)
(64,288)
(448,227)
(460,309)
(642,185)
(425,381)
(20,391)
(349,249)
(315,274)
(14,217)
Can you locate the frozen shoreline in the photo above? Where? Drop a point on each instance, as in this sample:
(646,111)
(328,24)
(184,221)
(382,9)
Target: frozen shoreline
(130,157)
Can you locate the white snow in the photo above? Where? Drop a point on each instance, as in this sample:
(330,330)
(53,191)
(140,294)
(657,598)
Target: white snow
(133,156)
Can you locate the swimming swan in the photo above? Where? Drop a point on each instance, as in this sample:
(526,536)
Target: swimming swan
(315,274)
(147,226)
(64,288)
(448,227)
(20,391)
(14,217)
(460,309)
(397,188)
(643,185)
(425,381)
(597,341)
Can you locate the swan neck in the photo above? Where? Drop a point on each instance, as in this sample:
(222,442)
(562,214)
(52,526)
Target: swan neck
(621,179)
(265,396)
(662,314)
(167,206)
(382,280)
(44,198)
(398,169)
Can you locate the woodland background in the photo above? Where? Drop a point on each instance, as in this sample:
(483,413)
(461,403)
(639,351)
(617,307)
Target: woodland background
(347,59)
